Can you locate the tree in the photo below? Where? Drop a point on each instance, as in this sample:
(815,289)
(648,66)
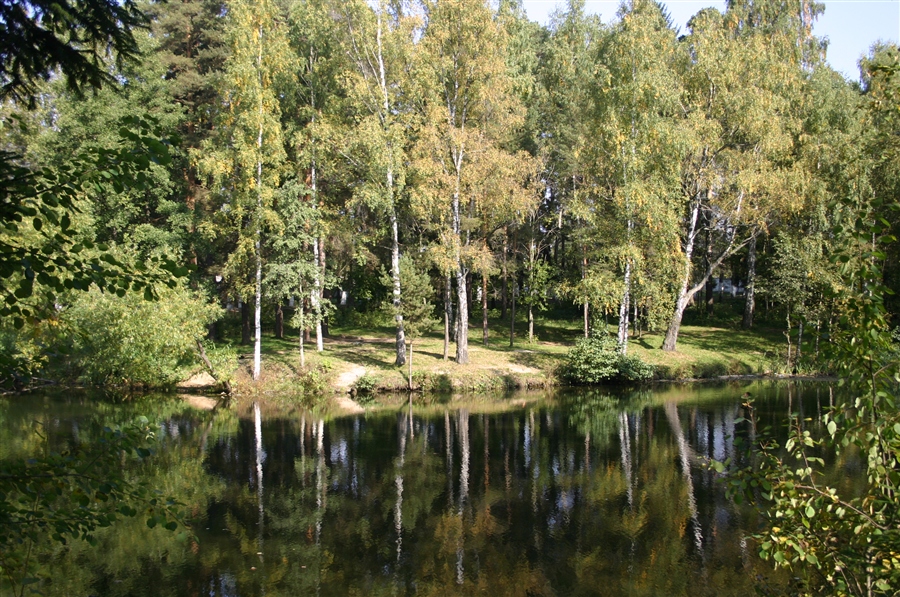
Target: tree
(290,272)
(847,543)
(635,141)
(416,307)
(380,41)
(468,113)
(249,164)
(41,36)
(737,137)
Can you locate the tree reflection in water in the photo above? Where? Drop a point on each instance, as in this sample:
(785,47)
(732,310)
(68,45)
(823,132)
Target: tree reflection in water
(584,494)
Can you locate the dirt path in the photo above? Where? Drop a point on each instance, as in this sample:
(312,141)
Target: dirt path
(345,379)
(342,384)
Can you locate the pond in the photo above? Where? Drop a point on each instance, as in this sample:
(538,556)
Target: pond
(572,493)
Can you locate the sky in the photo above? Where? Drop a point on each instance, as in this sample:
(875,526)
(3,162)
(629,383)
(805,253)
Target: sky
(851,26)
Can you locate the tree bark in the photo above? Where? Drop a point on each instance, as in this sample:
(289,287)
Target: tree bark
(587,319)
(749,290)
(303,331)
(410,370)
(462,320)
(316,292)
(246,338)
(279,321)
(504,293)
(624,310)
(512,316)
(257,314)
(675,323)
(448,313)
(707,260)
(484,308)
(462,303)
(395,277)
(687,292)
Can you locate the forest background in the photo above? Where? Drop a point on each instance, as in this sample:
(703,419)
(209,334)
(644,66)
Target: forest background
(307,165)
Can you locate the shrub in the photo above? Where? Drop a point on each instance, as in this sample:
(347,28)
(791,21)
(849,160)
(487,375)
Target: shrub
(597,359)
(366,384)
(128,340)
(632,368)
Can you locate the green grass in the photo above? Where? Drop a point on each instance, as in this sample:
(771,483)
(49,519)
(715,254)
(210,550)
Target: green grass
(716,348)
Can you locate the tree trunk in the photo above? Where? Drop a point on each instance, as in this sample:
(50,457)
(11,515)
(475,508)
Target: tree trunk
(395,277)
(681,303)
(257,313)
(322,288)
(624,310)
(448,312)
(410,370)
(303,332)
(634,321)
(530,323)
(462,319)
(504,293)
(707,261)
(279,321)
(787,335)
(749,290)
(512,316)
(484,308)
(316,292)
(246,338)
(587,320)
(462,294)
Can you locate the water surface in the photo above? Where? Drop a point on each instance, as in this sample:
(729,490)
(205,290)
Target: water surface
(581,493)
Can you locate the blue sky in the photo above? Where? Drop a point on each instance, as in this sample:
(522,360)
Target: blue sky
(851,26)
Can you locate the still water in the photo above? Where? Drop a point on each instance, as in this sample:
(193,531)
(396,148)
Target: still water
(582,493)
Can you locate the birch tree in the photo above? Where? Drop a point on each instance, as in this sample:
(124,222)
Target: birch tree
(738,136)
(315,39)
(379,43)
(468,114)
(637,102)
(246,163)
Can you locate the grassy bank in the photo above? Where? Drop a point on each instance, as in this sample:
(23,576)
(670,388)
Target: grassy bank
(357,358)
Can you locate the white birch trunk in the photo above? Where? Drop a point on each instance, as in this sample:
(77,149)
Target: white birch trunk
(462,299)
(257,315)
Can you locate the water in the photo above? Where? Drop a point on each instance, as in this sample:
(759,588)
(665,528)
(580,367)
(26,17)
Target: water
(581,493)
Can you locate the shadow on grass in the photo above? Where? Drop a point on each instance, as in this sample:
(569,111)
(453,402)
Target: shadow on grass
(537,360)
(725,341)
(366,359)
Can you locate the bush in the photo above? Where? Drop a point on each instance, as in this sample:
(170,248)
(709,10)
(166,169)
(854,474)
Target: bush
(128,340)
(597,359)
(366,384)
(632,368)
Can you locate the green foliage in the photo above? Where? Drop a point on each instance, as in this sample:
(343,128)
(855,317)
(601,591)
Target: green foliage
(41,252)
(597,359)
(126,340)
(70,495)
(848,544)
(365,386)
(415,302)
(42,37)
